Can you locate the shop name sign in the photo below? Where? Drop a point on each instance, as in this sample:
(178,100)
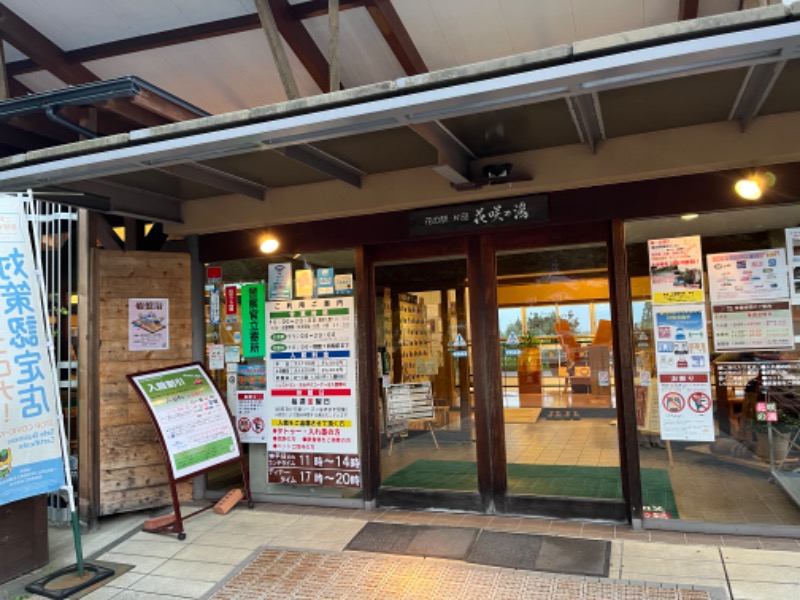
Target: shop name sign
(480,215)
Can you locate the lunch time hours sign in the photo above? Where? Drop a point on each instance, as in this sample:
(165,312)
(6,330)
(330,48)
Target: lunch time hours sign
(312,412)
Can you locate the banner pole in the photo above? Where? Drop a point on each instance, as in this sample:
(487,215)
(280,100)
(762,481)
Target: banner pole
(33,217)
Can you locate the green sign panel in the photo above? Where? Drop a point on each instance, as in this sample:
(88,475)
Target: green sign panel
(253,324)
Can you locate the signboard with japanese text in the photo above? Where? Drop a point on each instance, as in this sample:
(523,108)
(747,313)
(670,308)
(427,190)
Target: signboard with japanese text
(253,320)
(231,307)
(193,421)
(681,338)
(683,388)
(30,447)
(676,270)
(480,215)
(793,262)
(685,407)
(325,282)
(213,307)
(304,283)
(311,403)
(748,276)
(279,280)
(251,403)
(148,324)
(758,325)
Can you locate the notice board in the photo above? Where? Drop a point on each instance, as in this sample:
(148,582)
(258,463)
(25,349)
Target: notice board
(193,422)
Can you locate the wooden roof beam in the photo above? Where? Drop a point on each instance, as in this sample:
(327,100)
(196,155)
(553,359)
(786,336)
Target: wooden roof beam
(396,35)
(41,50)
(687,9)
(319,8)
(301,43)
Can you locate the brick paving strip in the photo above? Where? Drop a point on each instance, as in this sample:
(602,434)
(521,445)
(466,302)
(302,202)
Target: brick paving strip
(297,575)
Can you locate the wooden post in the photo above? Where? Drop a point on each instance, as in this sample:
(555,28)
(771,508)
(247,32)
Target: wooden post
(4,92)
(276,47)
(333,44)
(88,396)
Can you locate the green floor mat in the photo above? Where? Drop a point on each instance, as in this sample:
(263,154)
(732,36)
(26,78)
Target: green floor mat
(539,480)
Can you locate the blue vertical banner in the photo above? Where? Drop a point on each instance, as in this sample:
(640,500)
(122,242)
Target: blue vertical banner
(31,461)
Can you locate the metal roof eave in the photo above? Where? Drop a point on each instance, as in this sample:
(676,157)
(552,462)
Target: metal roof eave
(773,43)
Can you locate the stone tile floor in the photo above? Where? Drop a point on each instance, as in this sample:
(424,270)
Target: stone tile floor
(243,548)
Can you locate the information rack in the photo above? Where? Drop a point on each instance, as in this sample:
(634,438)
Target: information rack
(407,403)
(195,429)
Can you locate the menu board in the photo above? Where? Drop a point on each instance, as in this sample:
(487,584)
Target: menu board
(312,433)
(192,420)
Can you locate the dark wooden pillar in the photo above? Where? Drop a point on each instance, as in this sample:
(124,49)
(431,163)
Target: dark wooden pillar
(624,366)
(369,399)
(490,435)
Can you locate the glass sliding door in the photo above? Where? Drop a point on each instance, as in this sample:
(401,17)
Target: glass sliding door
(559,393)
(424,352)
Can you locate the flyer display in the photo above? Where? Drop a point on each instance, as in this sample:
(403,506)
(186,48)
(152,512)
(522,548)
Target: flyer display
(676,270)
(793,261)
(685,407)
(148,324)
(681,345)
(748,276)
(193,421)
(251,404)
(753,326)
(30,446)
(312,432)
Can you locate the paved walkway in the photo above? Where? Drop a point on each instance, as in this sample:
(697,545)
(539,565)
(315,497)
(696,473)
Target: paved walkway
(280,551)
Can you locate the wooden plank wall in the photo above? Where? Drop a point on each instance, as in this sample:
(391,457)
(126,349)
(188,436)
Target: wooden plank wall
(131,470)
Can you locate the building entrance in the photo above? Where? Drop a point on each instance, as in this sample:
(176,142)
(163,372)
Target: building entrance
(506,406)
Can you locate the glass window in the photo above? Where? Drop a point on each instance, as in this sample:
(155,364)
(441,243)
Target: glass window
(717,369)
(224,326)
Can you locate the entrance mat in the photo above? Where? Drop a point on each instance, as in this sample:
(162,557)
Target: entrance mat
(572,556)
(538,480)
(576,413)
(280,574)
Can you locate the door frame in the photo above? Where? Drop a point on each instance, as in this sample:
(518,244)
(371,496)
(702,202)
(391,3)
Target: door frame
(480,251)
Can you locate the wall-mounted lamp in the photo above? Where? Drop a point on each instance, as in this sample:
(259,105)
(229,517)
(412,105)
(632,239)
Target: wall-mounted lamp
(753,186)
(269,244)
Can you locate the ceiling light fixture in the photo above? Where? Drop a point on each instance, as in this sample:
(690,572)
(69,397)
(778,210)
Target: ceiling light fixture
(689,216)
(269,244)
(753,186)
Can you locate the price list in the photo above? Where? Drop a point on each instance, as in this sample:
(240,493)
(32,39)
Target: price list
(312,412)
